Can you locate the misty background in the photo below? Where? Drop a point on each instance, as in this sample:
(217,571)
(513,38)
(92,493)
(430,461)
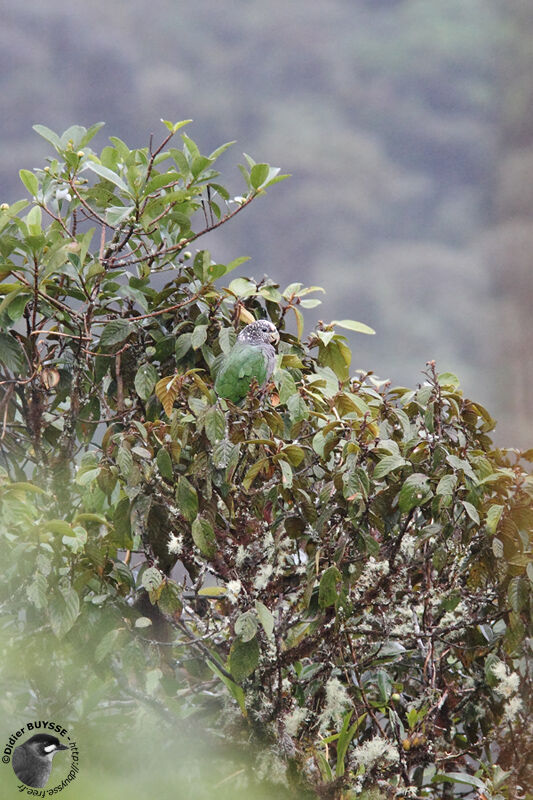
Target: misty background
(407,126)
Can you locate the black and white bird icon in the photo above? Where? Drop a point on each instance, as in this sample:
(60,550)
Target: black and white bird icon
(32,761)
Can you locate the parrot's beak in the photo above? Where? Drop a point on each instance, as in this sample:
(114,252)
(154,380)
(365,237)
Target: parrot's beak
(274,337)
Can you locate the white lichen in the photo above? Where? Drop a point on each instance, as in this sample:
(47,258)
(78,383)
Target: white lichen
(270,766)
(233,589)
(240,555)
(375,750)
(175,544)
(262,577)
(370,576)
(508,682)
(512,708)
(294,719)
(408,545)
(337,701)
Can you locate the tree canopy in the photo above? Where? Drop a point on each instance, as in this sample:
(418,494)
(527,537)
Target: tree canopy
(338,571)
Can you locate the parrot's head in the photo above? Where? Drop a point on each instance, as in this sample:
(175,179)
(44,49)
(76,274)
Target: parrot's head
(260,332)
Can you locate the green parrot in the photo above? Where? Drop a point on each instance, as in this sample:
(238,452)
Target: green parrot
(251,357)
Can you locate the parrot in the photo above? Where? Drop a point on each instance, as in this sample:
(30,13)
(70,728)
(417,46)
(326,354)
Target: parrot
(251,357)
(32,761)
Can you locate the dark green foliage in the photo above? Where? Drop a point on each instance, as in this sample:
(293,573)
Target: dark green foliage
(347,563)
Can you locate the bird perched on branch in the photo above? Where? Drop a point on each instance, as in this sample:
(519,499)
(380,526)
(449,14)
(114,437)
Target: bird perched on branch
(32,761)
(252,357)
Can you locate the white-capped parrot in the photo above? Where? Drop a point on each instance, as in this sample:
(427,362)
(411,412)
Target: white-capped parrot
(252,357)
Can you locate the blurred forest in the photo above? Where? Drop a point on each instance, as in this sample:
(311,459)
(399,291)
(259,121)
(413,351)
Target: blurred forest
(407,127)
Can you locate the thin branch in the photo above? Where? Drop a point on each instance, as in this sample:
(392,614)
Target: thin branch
(184,242)
(86,205)
(164,310)
(47,297)
(176,623)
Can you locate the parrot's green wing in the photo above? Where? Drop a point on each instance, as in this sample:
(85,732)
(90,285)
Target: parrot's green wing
(244,363)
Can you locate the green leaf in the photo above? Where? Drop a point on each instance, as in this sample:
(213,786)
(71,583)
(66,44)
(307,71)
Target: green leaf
(291,290)
(15,309)
(164,463)
(457,463)
(218,270)
(11,353)
(223,453)
(87,476)
(460,777)
(497,547)
(258,175)
(173,127)
(90,133)
(265,617)
(109,175)
(58,526)
(24,485)
(297,408)
(412,717)
(145,380)
(117,214)
(493,517)
(34,221)
(285,385)
(293,453)
(299,322)
(115,332)
(243,658)
(143,622)
(233,688)
(63,610)
(448,379)
(37,591)
(345,737)
(30,181)
(49,135)
(384,686)
(414,492)
(253,472)
(204,537)
(151,579)
(286,474)
(471,511)
(387,464)
(214,424)
(327,590)
(325,769)
(183,345)
(242,287)
(219,150)
(447,485)
(246,626)
(517,594)
(106,644)
(199,336)
(124,461)
(352,325)
(190,145)
(169,600)
(187,499)
(199,164)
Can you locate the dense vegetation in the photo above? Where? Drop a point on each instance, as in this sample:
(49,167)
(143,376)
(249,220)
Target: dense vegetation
(335,576)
